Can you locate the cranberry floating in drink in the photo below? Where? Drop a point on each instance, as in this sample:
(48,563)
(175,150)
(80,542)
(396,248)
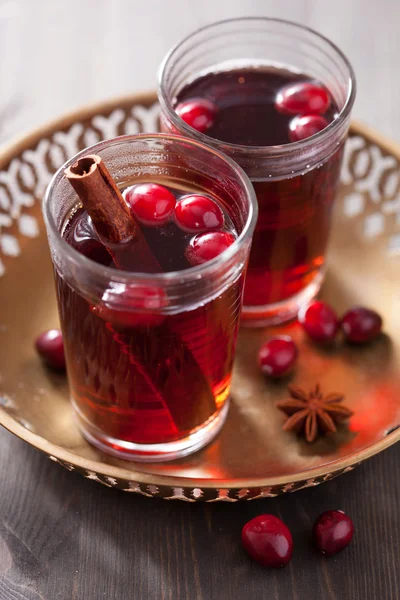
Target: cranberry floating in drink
(303,98)
(199,213)
(150,305)
(304,126)
(206,246)
(281,97)
(150,203)
(198,113)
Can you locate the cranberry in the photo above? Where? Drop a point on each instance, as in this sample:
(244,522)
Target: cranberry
(361,325)
(50,347)
(198,213)
(198,113)
(206,246)
(320,322)
(303,98)
(128,307)
(277,356)
(304,127)
(332,532)
(268,541)
(150,203)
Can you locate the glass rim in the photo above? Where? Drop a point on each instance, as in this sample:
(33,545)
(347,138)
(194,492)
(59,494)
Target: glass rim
(122,276)
(273,150)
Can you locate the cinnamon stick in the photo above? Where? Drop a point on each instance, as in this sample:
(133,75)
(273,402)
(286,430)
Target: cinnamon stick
(102,199)
(110,214)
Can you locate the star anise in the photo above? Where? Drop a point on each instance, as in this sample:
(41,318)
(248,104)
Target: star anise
(312,412)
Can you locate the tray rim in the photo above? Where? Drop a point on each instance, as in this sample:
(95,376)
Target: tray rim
(25,140)
(70,457)
(85,111)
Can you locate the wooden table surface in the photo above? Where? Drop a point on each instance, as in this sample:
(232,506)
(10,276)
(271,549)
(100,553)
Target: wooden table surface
(63,537)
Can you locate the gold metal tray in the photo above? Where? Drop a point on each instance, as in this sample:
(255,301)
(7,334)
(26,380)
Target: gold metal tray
(252,457)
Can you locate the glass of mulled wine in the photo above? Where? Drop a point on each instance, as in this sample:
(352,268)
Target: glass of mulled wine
(276,97)
(150,319)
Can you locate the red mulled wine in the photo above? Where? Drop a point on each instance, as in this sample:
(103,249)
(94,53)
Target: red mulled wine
(141,373)
(260,107)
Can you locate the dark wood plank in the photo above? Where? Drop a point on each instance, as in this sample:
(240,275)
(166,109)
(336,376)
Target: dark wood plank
(63,537)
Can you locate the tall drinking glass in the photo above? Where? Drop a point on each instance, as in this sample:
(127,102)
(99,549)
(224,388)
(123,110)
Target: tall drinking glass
(149,356)
(295,182)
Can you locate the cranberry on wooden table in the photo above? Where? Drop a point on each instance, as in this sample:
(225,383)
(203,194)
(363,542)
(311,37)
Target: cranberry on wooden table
(332,532)
(151,203)
(277,356)
(305,126)
(206,246)
(303,98)
(319,321)
(268,541)
(50,348)
(199,113)
(198,213)
(361,325)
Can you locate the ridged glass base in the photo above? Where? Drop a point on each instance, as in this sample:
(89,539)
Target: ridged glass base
(151,452)
(280,312)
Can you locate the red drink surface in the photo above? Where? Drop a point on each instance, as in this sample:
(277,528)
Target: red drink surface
(292,231)
(140,375)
